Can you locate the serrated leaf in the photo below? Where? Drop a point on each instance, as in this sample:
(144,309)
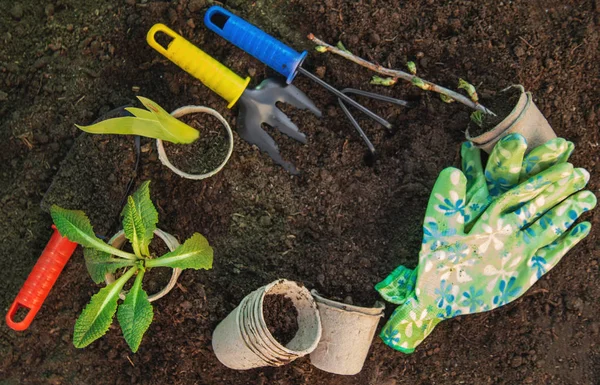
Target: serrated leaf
(139,220)
(76,226)
(155,123)
(99,263)
(195,253)
(95,319)
(135,314)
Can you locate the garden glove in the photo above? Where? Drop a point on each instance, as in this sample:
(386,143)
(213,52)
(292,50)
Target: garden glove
(507,166)
(516,240)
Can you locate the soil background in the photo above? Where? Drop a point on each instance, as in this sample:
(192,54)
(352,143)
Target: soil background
(340,227)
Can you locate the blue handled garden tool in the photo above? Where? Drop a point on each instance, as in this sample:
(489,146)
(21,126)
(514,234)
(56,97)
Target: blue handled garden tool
(282,58)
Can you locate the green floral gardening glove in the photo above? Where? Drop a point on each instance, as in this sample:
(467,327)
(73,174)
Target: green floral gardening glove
(507,166)
(517,239)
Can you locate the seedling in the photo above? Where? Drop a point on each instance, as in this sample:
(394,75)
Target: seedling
(154,123)
(135,313)
(477,118)
(448,96)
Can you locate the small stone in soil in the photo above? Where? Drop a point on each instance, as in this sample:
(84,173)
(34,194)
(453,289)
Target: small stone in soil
(281,317)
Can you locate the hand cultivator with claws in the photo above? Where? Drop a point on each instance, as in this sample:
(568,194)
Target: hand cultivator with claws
(288,62)
(257,106)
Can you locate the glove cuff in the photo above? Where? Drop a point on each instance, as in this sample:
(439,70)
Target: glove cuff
(409,325)
(398,286)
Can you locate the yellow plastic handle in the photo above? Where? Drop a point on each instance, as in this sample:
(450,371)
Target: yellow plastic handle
(199,64)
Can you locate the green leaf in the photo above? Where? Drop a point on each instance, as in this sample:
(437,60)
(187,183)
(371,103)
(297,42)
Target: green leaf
(383,81)
(99,263)
(76,226)
(95,319)
(139,220)
(418,82)
(135,314)
(477,118)
(446,98)
(341,46)
(321,49)
(154,123)
(195,253)
(412,67)
(469,88)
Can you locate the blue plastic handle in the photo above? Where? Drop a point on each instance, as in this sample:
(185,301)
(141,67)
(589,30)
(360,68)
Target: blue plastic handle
(254,41)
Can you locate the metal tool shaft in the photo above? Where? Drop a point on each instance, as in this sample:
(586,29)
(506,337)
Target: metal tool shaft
(345,98)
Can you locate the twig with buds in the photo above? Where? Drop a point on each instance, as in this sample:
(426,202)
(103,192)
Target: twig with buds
(446,95)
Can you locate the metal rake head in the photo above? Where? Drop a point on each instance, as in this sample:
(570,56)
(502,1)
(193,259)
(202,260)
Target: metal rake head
(258,106)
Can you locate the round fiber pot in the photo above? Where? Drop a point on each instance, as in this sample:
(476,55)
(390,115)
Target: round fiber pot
(243,341)
(347,335)
(525,119)
(182,111)
(118,240)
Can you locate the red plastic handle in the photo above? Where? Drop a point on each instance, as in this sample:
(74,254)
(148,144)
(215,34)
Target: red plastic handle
(41,279)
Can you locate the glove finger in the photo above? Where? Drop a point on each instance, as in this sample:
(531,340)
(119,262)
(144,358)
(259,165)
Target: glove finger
(407,328)
(446,207)
(565,187)
(472,168)
(475,206)
(525,192)
(558,220)
(398,286)
(504,165)
(554,151)
(547,257)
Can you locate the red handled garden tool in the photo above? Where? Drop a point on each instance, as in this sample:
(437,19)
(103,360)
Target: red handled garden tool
(286,61)
(257,105)
(36,288)
(59,249)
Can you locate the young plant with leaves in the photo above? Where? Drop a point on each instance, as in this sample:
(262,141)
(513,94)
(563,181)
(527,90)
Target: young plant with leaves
(154,122)
(139,224)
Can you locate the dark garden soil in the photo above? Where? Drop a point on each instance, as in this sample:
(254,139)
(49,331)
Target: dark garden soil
(207,152)
(281,317)
(340,227)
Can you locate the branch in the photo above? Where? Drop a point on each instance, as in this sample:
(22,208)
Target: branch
(397,74)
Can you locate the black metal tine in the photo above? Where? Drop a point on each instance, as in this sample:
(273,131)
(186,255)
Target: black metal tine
(371,95)
(375,96)
(357,127)
(346,98)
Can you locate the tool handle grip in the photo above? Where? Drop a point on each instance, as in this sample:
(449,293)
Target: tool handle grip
(199,64)
(254,41)
(55,256)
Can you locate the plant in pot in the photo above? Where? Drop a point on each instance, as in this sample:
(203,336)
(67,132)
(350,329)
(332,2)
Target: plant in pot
(511,111)
(157,123)
(139,226)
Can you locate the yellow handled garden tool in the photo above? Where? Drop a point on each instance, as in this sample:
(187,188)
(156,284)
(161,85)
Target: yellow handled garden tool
(256,106)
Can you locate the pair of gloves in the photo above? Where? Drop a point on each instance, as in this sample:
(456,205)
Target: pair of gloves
(488,235)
